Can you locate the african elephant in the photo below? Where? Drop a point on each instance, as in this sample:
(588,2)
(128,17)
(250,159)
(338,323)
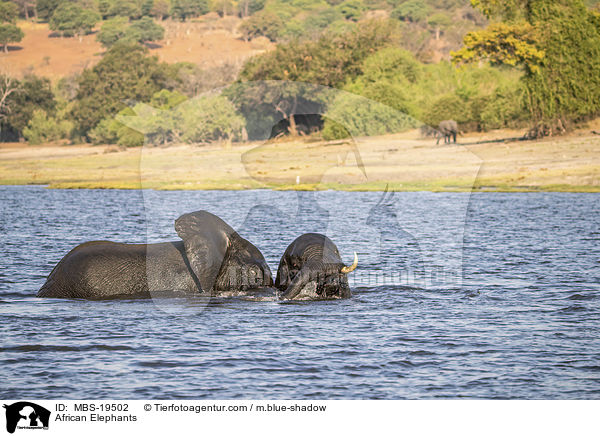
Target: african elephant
(211,259)
(312,268)
(447,129)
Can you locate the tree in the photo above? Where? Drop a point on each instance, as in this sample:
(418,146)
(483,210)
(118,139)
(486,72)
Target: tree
(556,43)
(330,61)
(119,29)
(9,33)
(413,10)
(124,74)
(145,30)
(160,9)
(8,86)
(263,23)
(146,7)
(70,19)
(113,30)
(8,12)
(439,21)
(45,8)
(25,7)
(184,9)
(42,128)
(351,9)
(127,8)
(33,93)
(249,7)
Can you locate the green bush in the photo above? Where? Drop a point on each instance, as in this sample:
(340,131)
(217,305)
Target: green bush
(124,73)
(9,33)
(8,12)
(263,23)
(351,9)
(70,19)
(119,29)
(184,9)
(112,131)
(412,10)
(43,128)
(171,118)
(358,116)
(207,119)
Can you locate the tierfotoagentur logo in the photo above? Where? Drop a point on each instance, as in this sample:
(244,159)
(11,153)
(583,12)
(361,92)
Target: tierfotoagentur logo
(24,415)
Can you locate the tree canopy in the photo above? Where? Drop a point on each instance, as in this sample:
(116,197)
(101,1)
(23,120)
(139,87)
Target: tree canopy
(9,33)
(556,42)
(125,74)
(70,19)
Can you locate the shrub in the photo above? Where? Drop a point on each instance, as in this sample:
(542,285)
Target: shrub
(263,23)
(358,116)
(70,19)
(43,128)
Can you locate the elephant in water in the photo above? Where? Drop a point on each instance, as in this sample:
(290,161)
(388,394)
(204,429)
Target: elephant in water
(211,259)
(447,129)
(311,268)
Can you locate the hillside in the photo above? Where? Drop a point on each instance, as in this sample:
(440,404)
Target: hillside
(207,41)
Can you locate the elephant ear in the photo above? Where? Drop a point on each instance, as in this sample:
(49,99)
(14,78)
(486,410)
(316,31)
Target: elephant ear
(206,239)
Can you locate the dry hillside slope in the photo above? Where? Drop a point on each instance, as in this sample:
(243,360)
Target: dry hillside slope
(208,41)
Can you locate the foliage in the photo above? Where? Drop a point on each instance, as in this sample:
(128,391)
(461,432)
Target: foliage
(263,23)
(70,19)
(125,8)
(557,43)
(501,43)
(42,128)
(9,33)
(8,12)
(124,73)
(160,9)
(184,9)
(172,118)
(145,30)
(111,131)
(329,61)
(350,114)
(119,29)
(249,7)
(113,30)
(351,9)
(412,10)
(34,94)
(45,8)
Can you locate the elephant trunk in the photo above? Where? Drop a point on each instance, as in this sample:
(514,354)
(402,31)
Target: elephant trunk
(298,283)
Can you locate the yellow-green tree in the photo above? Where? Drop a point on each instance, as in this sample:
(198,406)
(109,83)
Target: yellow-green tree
(556,42)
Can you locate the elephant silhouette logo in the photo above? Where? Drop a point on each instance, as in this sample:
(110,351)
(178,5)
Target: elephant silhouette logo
(24,414)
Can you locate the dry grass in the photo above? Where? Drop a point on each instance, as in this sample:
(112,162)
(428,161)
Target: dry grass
(209,41)
(404,162)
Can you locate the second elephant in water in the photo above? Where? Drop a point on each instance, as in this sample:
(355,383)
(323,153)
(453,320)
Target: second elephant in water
(311,268)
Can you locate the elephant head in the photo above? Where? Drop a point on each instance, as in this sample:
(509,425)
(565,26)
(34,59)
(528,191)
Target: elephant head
(312,265)
(221,260)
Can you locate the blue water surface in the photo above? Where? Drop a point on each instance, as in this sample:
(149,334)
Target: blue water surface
(521,320)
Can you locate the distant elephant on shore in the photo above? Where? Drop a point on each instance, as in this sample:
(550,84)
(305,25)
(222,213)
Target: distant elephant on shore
(447,129)
(311,268)
(211,259)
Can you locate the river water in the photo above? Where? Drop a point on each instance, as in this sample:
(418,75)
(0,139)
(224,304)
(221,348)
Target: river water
(456,296)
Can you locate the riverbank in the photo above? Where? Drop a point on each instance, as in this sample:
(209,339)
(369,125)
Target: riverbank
(405,162)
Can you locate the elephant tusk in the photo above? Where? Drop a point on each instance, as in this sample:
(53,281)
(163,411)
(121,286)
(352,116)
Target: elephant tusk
(349,269)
